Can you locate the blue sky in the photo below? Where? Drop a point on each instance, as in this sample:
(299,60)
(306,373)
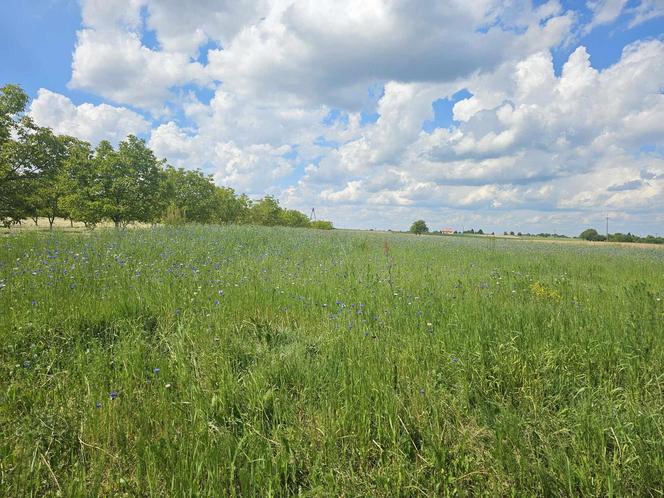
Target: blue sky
(374,115)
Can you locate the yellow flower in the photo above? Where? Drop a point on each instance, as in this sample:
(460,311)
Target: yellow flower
(542,292)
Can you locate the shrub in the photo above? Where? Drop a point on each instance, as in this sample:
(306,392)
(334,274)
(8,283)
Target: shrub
(322,225)
(174,216)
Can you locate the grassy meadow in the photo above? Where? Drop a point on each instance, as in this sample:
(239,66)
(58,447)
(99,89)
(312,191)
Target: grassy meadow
(245,361)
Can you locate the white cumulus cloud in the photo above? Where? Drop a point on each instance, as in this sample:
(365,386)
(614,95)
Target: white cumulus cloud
(88,122)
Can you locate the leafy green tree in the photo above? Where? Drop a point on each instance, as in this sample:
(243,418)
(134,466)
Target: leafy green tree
(193,193)
(17,165)
(132,182)
(81,183)
(13,101)
(589,234)
(37,157)
(49,189)
(294,218)
(419,227)
(266,212)
(232,208)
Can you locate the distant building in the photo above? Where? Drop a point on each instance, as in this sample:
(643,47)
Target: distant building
(447,231)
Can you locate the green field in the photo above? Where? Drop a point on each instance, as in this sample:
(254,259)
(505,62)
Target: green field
(246,361)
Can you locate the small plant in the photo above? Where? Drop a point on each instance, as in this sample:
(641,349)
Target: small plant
(540,291)
(174,216)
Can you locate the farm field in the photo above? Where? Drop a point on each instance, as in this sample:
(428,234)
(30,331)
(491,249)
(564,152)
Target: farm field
(247,361)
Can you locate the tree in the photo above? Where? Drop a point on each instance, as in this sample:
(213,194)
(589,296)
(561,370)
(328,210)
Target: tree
(49,189)
(131,180)
(419,227)
(17,167)
(193,193)
(81,183)
(294,218)
(266,212)
(589,234)
(232,208)
(13,101)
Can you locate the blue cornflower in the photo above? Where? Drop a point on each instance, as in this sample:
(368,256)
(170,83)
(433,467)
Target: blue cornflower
(216,302)
(455,360)
(112,395)
(97,404)
(34,303)
(156,370)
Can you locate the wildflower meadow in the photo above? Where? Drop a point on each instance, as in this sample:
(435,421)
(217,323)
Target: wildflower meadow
(256,361)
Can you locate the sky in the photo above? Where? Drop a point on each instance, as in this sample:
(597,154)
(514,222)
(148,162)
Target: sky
(542,116)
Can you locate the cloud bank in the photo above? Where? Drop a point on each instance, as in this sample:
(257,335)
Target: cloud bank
(324,103)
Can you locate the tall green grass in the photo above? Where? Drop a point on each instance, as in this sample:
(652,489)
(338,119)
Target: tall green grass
(274,362)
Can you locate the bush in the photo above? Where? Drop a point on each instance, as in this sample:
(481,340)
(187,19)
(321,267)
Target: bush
(173,216)
(321,225)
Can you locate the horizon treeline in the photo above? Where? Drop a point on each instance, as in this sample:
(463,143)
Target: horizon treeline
(44,175)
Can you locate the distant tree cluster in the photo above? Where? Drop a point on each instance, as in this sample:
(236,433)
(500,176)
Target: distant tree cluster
(592,235)
(544,235)
(47,175)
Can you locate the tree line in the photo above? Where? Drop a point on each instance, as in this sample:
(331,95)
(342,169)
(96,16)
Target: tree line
(420,227)
(57,176)
(592,235)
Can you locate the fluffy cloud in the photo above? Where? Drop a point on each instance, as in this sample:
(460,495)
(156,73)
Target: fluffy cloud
(92,123)
(274,96)
(115,65)
(323,52)
(646,10)
(535,141)
(607,11)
